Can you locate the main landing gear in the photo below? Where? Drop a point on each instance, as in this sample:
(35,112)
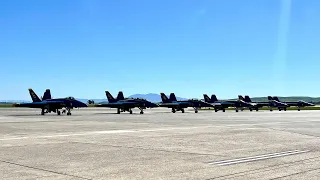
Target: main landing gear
(67,110)
(141,110)
(129,110)
(174,110)
(195,109)
(257,109)
(285,109)
(223,110)
(42,112)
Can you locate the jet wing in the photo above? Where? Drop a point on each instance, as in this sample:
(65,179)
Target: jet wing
(263,104)
(174,104)
(292,103)
(205,104)
(30,105)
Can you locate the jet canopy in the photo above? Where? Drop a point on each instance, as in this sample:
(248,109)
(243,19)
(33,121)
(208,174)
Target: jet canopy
(140,99)
(70,98)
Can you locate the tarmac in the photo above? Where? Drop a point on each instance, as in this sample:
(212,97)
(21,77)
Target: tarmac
(97,143)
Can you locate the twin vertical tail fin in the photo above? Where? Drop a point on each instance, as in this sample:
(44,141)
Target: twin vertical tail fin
(120,96)
(110,97)
(276,98)
(164,98)
(214,98)
(240,98)
(270,98)
(34,96)
(247,98)
(206,98)
(46,95)
(172,97)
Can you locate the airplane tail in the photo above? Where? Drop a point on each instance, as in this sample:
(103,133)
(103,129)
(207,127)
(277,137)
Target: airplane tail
(34,96)
(110,97)
(120,96)
(172,97)
(206,98)
(240,97)
(164,98)
(214,98)
(270,98)
(247,98)
(46,95)
(276,98)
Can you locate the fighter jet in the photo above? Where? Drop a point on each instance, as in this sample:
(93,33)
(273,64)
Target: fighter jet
(223,104)
(176,105)
(48,105)
(298,104)
(277,104)
(254,105)
(126,104)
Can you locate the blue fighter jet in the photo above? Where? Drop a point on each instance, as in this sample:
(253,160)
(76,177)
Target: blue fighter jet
(126,104)
(176,105)
(223,104)
(48,105)
(298,104)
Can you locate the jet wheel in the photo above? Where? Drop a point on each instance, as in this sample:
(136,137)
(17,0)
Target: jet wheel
(223,110)
(182,110)
(130,111)
(141,112)
(58,113)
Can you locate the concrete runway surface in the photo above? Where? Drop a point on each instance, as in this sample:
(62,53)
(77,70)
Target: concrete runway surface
(97,143)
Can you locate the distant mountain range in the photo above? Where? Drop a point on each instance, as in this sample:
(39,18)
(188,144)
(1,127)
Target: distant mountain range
(156,98)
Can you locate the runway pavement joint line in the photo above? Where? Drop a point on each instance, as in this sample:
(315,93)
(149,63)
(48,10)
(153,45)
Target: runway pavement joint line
(256,158)
(45,170)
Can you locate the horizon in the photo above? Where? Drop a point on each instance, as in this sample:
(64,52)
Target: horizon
(105,98)
(80,48)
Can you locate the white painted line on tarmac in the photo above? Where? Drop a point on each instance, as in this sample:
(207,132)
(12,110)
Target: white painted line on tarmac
(102,132)
(256,158)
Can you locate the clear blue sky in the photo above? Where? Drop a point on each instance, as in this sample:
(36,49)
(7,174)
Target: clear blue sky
(227,47)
